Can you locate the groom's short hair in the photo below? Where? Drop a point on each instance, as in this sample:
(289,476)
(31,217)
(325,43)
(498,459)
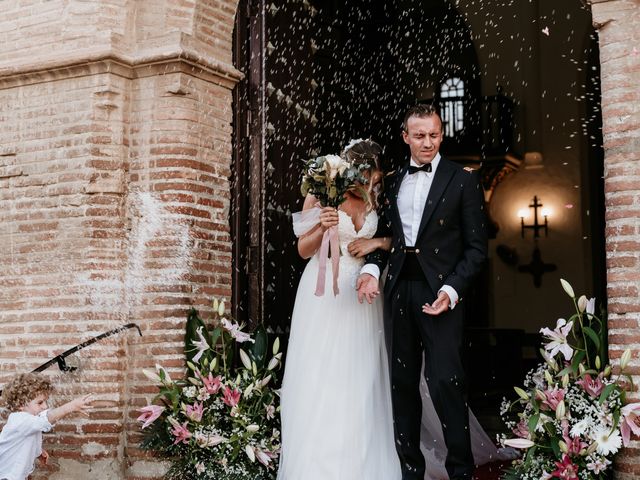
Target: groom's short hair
(420,110)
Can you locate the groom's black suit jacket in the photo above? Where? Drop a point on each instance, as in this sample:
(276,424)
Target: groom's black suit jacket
(452,239)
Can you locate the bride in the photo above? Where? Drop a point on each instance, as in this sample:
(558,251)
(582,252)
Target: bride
(336,401)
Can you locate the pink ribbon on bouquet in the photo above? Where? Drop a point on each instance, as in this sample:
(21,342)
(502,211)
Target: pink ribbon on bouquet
(329,239)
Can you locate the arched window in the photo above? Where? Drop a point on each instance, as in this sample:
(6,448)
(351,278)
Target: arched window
(452,97)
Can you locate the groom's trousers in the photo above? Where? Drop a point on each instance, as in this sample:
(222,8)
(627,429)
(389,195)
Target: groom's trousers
(414,336)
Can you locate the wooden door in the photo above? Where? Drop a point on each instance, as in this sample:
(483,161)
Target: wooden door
(274,129)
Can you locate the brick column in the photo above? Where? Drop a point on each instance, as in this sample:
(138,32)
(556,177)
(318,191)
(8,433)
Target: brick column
(618,24)
(115,157)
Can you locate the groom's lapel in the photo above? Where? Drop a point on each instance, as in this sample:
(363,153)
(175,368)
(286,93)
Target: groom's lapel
(444,174)
(395,189)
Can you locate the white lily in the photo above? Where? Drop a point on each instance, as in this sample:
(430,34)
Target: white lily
(567,288)
(591,306)
(265,381)
(250,453)
(625,358)
(274,362)
(153,376)
(200,344)
(582,303)
(558,338)
(235,332)
(246,361)
(167,378)
(519,443)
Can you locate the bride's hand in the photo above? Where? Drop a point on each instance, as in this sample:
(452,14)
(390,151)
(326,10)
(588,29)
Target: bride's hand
(367,287)
(328,218)
(363,246)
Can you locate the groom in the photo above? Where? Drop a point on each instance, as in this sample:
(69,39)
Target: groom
(434,212)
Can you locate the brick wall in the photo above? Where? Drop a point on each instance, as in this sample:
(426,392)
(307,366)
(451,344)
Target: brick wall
(115,151)
(618,22)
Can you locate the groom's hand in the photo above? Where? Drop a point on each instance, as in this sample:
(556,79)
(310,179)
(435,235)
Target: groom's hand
(367,286)
(440,305)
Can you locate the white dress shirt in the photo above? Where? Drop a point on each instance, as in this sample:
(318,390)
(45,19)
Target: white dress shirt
(21,444)
(412,198)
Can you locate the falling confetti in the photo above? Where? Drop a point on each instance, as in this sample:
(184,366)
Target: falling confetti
(545,30)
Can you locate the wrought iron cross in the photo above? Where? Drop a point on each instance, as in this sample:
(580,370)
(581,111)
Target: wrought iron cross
(536,226)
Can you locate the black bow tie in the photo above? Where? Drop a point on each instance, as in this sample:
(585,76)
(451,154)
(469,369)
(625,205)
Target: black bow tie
(424,168)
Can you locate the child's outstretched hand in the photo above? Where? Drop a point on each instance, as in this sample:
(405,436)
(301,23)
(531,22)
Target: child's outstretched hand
(44,457)
(82,404)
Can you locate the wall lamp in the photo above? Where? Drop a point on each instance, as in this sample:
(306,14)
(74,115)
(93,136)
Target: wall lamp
(536,226)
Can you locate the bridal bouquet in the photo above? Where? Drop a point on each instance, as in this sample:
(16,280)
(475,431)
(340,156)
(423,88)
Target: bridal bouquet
(220,421)
(330,177)
(571,417)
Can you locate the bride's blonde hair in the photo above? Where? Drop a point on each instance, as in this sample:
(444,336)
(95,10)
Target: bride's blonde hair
(369,152)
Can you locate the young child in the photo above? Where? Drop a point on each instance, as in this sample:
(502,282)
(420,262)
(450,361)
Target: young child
(21,438)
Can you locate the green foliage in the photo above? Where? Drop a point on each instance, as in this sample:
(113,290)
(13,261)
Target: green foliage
(569,414)
(220,421)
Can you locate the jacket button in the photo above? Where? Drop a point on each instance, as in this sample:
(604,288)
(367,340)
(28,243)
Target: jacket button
(393,250)
(440,276)
(441,221)
(436,250)
(417,250)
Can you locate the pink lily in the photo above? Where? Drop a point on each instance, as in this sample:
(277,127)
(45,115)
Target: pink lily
(566,470)
(630,422)
(201,345)
(264,456)
(574,445)
(181,432)
(553,398)
(231,397)
(593,386)
(235,332)
(211,384)
(558,339)
(149,414)
(271,412)
(194,412)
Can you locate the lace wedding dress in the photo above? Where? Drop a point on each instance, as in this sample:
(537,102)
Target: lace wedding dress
(335,401)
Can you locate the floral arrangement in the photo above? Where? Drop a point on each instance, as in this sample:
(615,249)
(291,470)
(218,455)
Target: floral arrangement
(220,421)
(570,418)
(330,177)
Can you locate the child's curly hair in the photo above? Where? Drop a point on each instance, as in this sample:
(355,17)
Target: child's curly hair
(23,388)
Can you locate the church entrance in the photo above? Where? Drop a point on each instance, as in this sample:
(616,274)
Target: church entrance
(517,85)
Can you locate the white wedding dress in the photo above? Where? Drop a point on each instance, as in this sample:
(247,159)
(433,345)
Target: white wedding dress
(336,399)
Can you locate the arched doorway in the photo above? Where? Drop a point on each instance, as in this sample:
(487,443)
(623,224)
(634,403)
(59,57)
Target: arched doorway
(320,74)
